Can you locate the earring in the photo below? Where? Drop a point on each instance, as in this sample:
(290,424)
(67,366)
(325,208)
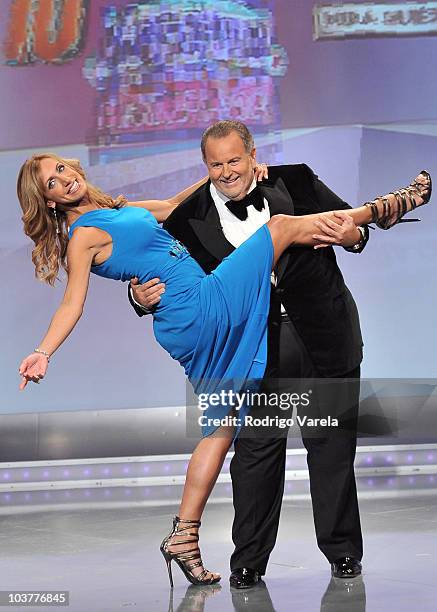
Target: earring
(58,231)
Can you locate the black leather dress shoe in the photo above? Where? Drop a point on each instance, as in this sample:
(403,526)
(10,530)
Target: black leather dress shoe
(244,578)
(346,567)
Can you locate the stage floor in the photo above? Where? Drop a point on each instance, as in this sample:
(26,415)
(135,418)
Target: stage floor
(109,560)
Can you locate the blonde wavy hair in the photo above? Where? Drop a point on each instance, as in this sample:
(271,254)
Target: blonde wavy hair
(50,252)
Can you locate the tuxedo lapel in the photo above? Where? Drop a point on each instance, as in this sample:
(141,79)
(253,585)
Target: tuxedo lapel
(280,202)
(278,197)
(207,227)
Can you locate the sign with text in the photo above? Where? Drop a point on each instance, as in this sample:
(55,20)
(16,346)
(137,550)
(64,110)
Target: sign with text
(349,20)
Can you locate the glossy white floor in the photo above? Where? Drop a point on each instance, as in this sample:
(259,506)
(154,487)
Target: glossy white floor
(109,560)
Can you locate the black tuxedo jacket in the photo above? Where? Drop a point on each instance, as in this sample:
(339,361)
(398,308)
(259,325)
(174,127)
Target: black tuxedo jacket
(309,282)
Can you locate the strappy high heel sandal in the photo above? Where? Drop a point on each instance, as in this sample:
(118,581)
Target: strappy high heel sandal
(187,559)
(387,211)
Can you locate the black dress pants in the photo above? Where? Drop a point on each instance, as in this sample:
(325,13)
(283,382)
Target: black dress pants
(258,470)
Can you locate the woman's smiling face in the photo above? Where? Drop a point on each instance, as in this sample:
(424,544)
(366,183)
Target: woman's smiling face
(61,183)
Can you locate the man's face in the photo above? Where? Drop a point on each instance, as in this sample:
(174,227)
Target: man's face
(230,167)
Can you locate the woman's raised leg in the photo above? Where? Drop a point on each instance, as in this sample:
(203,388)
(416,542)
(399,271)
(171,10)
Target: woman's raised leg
(385,211)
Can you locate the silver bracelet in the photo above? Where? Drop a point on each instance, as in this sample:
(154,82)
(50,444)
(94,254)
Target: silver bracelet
(37,350)
(357,246)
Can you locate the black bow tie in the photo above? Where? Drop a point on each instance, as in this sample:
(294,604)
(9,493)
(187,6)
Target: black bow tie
(239,207)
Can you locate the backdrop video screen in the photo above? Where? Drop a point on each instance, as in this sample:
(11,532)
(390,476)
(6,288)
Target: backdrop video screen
(178,66)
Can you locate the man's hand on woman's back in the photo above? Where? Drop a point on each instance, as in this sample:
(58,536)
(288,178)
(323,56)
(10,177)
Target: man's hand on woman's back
(147,295)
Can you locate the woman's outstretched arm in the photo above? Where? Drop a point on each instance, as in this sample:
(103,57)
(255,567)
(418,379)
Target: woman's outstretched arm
(161,209)
(80,254)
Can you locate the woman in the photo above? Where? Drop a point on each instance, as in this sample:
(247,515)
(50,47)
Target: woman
(214,327)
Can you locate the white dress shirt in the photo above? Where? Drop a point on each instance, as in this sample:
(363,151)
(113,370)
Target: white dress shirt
(235,230)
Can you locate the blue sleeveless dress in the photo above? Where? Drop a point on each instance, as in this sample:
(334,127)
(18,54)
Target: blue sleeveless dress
(214,325)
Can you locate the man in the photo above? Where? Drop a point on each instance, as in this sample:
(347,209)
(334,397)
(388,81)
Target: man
(313,332)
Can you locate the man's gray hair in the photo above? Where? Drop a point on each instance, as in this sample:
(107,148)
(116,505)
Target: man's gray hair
(221,129)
